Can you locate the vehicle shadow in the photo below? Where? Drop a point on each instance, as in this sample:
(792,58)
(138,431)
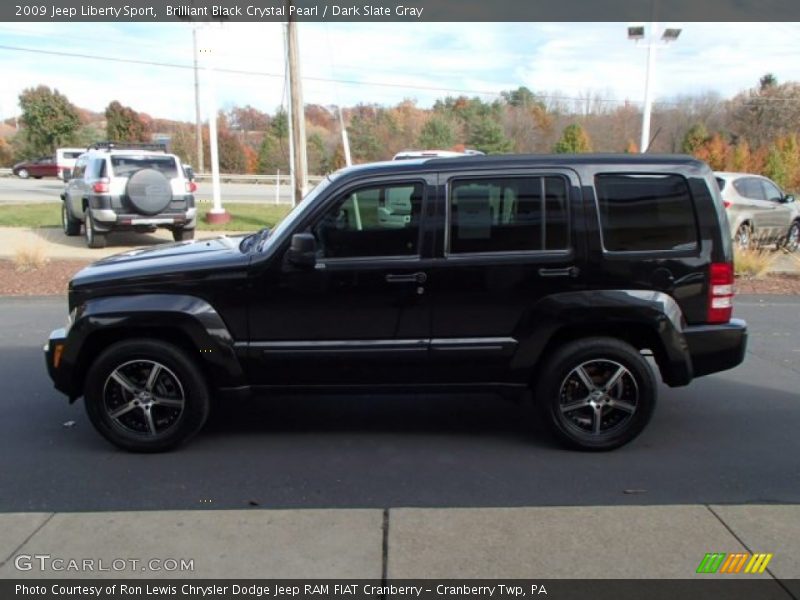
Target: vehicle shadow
(116,241)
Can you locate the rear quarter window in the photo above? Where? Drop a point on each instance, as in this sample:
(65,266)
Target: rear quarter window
(645,213)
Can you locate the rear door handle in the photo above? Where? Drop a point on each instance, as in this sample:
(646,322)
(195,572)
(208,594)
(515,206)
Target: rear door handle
(419,277)
(560,272)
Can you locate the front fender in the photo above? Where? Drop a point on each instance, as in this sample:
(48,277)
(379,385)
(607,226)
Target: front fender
(167,316)
(610,311)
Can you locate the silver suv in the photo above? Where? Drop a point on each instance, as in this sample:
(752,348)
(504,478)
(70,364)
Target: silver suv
(759,211)
(127,187)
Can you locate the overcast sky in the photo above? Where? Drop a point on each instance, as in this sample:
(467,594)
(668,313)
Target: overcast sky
(385,63)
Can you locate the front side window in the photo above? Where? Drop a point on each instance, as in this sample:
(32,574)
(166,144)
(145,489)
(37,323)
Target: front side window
(641,213)
(508,214)
(378,220)
(771,191)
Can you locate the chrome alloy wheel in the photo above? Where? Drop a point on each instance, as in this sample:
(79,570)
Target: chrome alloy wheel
(598,397)
(143,397)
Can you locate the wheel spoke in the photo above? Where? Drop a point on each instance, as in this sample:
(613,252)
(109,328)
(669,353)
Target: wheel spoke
(151,425)
(171,402)
(623,406)
(614,379)
(597,420)
(575,405)
(124,382)
(585,379)
(124,409)
(151,379)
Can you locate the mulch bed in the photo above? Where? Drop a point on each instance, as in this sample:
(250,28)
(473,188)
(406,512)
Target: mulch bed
(52,278)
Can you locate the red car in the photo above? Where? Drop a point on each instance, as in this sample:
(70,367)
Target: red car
(38,167)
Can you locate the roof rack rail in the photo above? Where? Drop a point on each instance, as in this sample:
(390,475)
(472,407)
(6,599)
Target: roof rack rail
(128,146)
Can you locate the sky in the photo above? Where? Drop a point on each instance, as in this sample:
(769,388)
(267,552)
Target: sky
(383,63)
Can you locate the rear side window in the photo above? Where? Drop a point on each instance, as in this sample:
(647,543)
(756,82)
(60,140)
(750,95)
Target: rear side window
(641,213)
(750,187)
(125,166)
(510,214)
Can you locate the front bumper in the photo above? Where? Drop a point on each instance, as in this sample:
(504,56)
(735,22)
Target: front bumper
(54,351)
(716,348)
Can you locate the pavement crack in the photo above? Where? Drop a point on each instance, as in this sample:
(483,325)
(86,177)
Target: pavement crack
(746,547)
(26,540)
(385,549)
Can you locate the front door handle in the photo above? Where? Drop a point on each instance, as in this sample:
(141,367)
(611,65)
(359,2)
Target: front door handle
(560,272)
(418,278)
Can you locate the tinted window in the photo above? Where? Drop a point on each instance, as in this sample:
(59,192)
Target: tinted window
(642,213)
(508,214)
(721,183)
(771,191)
(750,187)
(125,166)
(372,221)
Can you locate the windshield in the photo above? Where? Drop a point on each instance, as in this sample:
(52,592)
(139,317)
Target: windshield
(289,220)
(127,165)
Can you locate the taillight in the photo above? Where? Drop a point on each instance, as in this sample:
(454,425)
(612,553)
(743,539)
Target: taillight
(100,187)
(191,187)
(726,203)
(720,293)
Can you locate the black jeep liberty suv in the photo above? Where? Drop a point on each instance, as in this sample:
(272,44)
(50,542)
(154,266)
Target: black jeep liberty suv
(557,273)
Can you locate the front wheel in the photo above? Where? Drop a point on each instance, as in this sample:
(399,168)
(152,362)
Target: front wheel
(69,224)
(793,237)
(596,393)
(23,174)
(146,396)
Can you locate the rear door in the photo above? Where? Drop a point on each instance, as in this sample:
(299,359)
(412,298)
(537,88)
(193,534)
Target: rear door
(508,241)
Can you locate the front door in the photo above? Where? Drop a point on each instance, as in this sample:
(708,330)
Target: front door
(360,315)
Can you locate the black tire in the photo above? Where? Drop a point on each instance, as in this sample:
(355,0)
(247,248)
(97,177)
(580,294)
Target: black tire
(181,235)
(132,363)
(23,174)
(69,224)
(792,241)
(94,238)
(600,359)
(149,191)
(744,237)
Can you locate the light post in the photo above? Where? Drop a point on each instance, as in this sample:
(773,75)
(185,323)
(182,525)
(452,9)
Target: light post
(637,33)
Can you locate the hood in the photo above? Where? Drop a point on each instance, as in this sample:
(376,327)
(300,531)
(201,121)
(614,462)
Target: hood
(182,260)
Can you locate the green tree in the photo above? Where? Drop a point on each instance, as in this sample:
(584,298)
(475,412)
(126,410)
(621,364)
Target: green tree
(574,140)
(437,133)
(695,138)
(123,124)
(49,120)
(487,135)
(767,81)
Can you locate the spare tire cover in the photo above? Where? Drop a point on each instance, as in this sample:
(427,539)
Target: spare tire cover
(149,191)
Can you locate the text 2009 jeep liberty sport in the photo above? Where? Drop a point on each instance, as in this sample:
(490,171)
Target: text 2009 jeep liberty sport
(558,273)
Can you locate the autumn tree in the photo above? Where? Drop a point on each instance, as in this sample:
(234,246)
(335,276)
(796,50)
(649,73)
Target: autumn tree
(123,124)
(574,140)
(48,118)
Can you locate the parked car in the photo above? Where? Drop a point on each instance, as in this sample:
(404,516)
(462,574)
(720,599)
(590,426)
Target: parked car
(127,187)
(408,154)
(66,159)
(559,274)
(44,166)
(759,211)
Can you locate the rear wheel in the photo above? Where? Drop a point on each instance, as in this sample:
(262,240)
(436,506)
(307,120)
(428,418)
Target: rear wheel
(69,224)
(596,393)
(94,238)
(744,237)
(146,396)
(181,235)
(793,237)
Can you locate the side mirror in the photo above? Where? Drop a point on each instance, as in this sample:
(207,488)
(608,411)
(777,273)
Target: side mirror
(66,174)
(788,198)
(303,251)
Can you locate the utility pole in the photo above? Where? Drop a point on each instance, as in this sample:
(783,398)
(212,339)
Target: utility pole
(198,123)
(297,117)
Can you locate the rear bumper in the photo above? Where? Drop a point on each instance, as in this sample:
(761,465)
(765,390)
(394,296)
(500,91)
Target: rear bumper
(715,348)
(107,219)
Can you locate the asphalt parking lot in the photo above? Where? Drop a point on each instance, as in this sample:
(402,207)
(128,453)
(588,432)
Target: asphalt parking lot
(730,438)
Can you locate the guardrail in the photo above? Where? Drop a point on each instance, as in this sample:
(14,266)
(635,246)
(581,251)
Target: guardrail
(5,172)
(263,179)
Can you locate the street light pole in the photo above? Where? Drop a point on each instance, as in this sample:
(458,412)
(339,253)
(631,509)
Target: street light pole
(198,123)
